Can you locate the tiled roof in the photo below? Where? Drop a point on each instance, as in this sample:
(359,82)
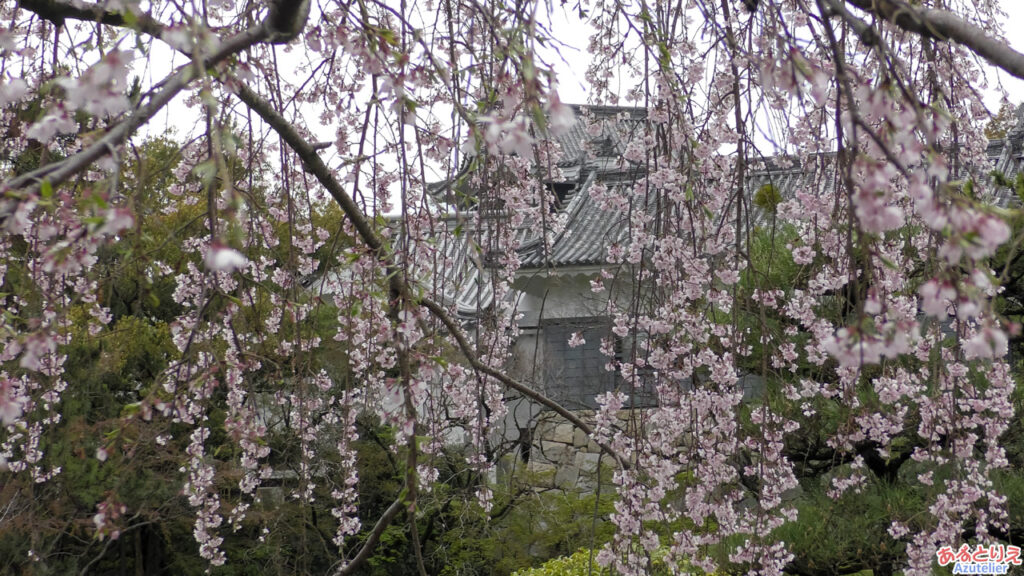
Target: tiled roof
(622,124)
(462,281)
(589,230)
(1007,155)
(583,241)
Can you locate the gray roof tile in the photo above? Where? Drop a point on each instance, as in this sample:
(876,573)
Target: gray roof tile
(590,230)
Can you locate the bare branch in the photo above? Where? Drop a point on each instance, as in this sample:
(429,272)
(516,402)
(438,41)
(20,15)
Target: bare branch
(315,165)
(863,30)
(944,25)
(286,20)
(371,541)
(58,172)
(57,12)
(467,351)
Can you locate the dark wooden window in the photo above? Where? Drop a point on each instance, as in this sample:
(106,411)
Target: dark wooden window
(576,376)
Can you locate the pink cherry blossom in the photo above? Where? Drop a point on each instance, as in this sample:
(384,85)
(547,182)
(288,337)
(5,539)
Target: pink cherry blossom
(936,298)
(989,342)
(576,340)
(11,403)
(763,233)
(221,258)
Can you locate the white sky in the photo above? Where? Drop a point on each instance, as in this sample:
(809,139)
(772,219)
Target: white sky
(1012,27)
(572,85)
(570,65)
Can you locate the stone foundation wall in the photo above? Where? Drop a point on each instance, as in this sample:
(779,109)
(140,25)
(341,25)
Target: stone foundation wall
(562,456)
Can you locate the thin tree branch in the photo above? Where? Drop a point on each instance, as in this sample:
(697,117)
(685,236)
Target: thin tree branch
(315,165)
(60,171)
(463,342)
(56,12)
(282,13)
(106,546)
(371,541)
(863,30)
(944,25)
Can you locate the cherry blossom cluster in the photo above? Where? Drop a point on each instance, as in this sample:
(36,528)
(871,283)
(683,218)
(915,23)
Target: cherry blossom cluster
(321,282)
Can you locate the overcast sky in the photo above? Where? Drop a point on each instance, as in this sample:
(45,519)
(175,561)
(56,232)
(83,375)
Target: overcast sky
(1014,28)
(572,85)
(570,63)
